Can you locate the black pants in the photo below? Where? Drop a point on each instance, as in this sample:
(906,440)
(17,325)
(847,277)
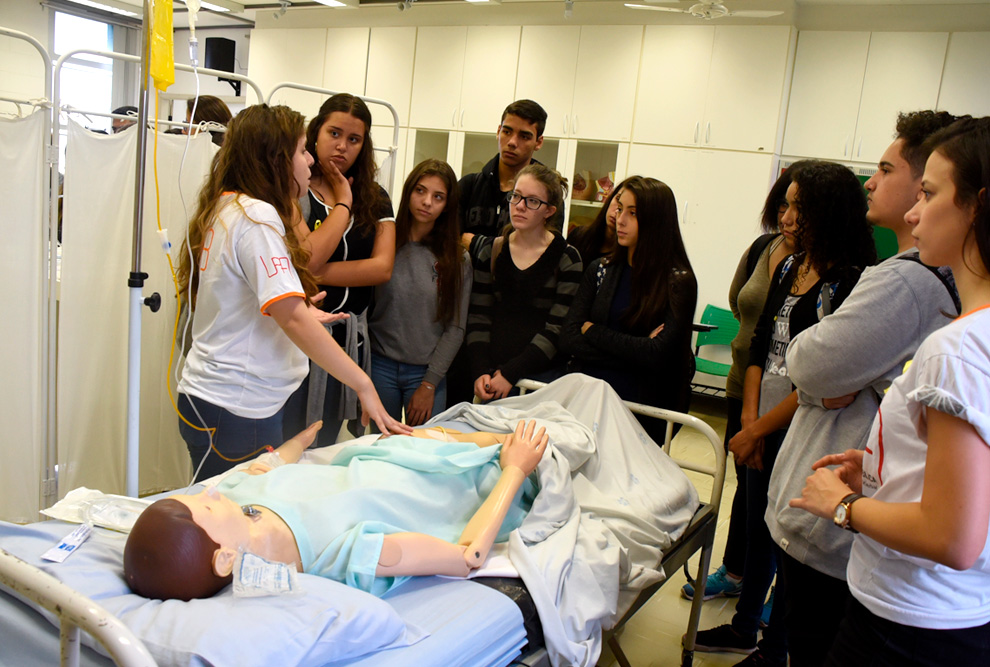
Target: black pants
(814,605)
(866,640)
(734,558)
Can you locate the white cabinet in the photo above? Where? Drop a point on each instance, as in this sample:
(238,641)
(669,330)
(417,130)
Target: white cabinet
(547,64)
(464,76)
(720,196)
(717,87)
(296,55)
(605,81)
(344,64)
(964,79)
(382,136)
(390,68)
(893,72)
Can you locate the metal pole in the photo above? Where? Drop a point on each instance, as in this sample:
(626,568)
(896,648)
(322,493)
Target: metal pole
(136,279)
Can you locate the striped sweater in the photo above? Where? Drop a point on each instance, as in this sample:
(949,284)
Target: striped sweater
(515,319)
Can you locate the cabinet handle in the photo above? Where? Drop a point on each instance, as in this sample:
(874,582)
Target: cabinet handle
(859,149)
(697,131)
(453,118)
(462,117)
(565,124)
(845,147)
(575,124)
(685,214)
(708,132)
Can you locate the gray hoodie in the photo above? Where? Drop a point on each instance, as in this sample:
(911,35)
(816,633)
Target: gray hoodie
(862,347)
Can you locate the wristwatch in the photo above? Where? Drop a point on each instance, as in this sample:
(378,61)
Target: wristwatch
(843,512)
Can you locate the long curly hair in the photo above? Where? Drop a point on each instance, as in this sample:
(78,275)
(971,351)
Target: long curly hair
(443,240)
(660,250)
(966,144)
(256,160)
(368,196)
(831,209)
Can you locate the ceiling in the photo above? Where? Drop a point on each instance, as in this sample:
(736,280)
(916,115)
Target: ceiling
(901,15)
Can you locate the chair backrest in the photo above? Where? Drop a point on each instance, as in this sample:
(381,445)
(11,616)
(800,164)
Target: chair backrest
(727,325)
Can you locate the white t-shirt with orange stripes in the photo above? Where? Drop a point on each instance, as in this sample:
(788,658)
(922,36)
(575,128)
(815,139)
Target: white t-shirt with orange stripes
(240,358)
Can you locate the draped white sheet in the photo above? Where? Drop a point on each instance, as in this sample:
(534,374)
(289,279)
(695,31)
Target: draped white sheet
(97,242)
(23,270)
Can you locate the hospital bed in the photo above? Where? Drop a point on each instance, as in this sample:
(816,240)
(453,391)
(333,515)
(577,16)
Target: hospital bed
(429,620)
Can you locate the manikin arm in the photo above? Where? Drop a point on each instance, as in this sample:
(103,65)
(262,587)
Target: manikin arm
(413,554)
(291,450)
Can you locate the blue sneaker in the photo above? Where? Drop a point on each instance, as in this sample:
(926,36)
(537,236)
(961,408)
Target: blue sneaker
(718,585)
(767,608)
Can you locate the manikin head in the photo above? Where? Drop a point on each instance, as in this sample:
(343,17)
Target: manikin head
(520,133)
(184,547)
(894,188)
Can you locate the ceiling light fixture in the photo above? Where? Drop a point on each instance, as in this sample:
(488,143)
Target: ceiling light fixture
(332,3)
(222,6)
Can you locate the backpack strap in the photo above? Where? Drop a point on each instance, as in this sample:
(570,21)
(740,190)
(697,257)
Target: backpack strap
(943,274)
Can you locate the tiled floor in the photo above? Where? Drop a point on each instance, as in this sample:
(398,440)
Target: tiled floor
(652,638)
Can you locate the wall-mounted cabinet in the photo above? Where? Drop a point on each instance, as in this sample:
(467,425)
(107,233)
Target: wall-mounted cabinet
(893,72)
(289,55)
(463,77)
(548,57)
(716,87)
(964,79)
(390,68)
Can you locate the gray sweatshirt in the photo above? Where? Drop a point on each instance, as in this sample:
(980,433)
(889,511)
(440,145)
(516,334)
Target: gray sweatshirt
(403,322)
(862,347)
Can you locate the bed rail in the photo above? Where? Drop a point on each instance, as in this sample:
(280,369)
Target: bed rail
(75,611)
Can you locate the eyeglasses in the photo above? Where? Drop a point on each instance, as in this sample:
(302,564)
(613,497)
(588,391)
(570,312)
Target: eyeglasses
(532,203)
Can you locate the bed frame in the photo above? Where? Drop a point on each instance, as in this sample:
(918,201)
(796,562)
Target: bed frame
(699,535)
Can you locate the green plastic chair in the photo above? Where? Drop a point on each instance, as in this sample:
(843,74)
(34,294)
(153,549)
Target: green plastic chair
(726,328)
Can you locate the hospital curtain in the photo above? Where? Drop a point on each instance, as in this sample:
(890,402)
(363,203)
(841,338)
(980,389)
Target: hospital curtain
(23,270)
(93,317)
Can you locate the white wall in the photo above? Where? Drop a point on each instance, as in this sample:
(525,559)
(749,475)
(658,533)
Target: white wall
(22,72)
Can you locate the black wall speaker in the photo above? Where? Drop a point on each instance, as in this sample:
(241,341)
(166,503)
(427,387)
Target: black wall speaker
(220,54)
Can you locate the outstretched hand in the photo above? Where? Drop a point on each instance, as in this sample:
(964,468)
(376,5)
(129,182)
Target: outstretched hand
(523,449)
(322,316)
(373,410)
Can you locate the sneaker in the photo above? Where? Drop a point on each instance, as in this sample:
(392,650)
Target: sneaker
(723,639)
(758,659)
(767,608)
(718,585)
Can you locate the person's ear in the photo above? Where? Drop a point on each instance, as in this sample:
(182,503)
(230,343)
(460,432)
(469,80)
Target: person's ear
(223,561)
(539,144)
(550,211)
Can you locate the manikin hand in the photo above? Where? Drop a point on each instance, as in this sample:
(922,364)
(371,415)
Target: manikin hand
(747,447)
(372,409)
(839,402)
(850,468)
(338,183)
(500,387)
(822,492)
(322,316)
(482,388)
(522,449)
(420,406)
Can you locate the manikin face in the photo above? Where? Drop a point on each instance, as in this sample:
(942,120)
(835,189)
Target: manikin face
(626,222)
(340,140)
(940,226)
(524,218)
(428,199)
(893,189)
(517,141)
(301,162)
(221,518)
(789,219)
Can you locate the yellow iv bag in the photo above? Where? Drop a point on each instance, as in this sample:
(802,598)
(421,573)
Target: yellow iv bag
(162,49)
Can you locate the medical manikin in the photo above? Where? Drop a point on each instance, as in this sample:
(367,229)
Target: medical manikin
(373,517)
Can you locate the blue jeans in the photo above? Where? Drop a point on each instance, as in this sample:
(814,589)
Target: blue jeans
(396,382)
(237,438)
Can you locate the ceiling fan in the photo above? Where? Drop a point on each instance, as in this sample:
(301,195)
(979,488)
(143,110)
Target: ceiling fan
(708,10)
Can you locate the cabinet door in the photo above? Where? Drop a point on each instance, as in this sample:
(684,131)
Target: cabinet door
(390,68)
(489,81)
(547,63)
(825,93)
(382,136)
(903,73)
(677,167)
(436,89)
(607,70)
(345,60)
(673,84)
(745,86)
(279,55)
(964,83)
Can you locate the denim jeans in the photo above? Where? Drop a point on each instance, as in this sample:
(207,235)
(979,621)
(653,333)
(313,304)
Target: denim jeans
(237,438)
(396,382)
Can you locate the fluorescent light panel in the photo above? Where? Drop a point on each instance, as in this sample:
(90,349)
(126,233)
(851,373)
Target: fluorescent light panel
(331,3)
(222,6)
